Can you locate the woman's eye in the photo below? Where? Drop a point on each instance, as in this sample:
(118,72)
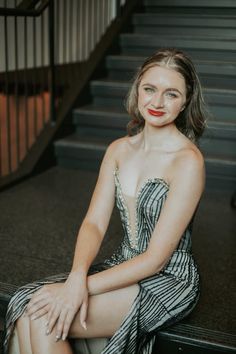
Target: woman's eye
(172,95)
(148,89)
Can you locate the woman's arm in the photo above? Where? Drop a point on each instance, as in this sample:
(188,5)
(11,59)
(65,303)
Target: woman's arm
(183,197)
(62,305)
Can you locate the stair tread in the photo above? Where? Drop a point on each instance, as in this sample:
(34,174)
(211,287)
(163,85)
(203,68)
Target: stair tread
(90,141)
(184,15)
(140,41)
(121,112)
(190,4)
(125,84)
(174,36)
(140,59)
(183,20)
(105,110)
(192,332)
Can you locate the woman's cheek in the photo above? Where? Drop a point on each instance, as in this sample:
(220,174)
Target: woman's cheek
(174,107)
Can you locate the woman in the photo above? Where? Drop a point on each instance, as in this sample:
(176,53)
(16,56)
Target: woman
(156,175)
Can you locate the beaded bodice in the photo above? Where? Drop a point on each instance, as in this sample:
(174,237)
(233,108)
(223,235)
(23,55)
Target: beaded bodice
(148,205)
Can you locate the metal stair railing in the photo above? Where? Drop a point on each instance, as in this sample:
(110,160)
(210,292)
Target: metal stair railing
(43,44)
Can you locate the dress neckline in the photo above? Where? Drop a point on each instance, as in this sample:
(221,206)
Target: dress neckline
(143,184)
(133,238)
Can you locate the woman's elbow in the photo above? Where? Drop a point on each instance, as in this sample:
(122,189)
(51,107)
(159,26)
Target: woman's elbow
(155,263)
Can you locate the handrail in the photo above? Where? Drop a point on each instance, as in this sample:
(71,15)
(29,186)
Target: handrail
(33,105)
(20,11)
(34,122)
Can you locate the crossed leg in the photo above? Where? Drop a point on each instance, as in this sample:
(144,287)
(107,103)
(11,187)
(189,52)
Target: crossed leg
(105,315)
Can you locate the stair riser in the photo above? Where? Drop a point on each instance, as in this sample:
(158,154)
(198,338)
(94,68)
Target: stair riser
(219,112)
(204,49)
(94,130)
(221,170)
(211,74)
(209,146)
(194,10)
(222,148)
(222,113)
(209,80)
(113,121)
(190,4)
(218,147)
(132,63)
(146,41)
(196,54)
(219,7)
(79,157)
(175,20)
(119,92)
(195,32)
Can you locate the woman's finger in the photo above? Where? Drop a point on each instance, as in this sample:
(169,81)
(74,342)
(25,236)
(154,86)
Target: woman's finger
(40,313)
(67,323)
(36,307)
(60,323)
(34,300)
(83,313)
(53,316)
(40,295)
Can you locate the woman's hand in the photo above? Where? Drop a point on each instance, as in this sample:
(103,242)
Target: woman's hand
(40,302)
(60,301)
(68,300)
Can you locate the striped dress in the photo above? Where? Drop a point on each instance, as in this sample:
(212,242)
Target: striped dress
(163,298)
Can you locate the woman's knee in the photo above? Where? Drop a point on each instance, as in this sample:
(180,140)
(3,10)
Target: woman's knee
(22,321)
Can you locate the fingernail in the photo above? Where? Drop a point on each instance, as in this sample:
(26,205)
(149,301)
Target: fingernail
(46,324)
(84,326)
(64,337)
(57,338)
(47,331)
(33,318)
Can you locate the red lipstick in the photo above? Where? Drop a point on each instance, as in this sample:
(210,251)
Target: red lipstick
(156,113)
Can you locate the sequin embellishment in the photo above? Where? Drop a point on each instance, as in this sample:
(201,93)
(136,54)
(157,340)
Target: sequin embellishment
(133,239)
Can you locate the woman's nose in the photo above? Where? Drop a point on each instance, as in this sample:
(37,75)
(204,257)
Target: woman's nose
(157,100)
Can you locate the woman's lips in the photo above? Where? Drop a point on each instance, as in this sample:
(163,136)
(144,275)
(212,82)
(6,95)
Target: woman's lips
(156,113)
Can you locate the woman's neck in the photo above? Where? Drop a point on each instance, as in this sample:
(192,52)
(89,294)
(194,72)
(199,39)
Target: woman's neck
(159,137)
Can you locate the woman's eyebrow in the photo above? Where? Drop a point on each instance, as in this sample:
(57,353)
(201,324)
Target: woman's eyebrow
(147,84)
(168,89)
(173,89)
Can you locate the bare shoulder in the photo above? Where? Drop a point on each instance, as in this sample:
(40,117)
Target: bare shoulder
(119,146)
(190,158)
(189,165)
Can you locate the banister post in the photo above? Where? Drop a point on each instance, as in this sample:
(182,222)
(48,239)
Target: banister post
(52,82)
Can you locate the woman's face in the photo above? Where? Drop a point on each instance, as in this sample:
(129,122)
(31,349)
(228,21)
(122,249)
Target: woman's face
(161,96)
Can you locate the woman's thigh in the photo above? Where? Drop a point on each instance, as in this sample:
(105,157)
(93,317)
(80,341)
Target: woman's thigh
(106,312)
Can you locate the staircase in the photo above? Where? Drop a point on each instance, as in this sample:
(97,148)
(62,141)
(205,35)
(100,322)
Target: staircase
(204,29)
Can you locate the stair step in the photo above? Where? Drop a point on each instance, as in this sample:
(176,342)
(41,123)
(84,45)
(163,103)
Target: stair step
(103,117)
(180,24)
(212,73)
(112,93)
(204,341)
(83,152)
(220,172)
(95,120)
(88,151)
(197,7)
(202,48)
(219,138)
(192,3)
